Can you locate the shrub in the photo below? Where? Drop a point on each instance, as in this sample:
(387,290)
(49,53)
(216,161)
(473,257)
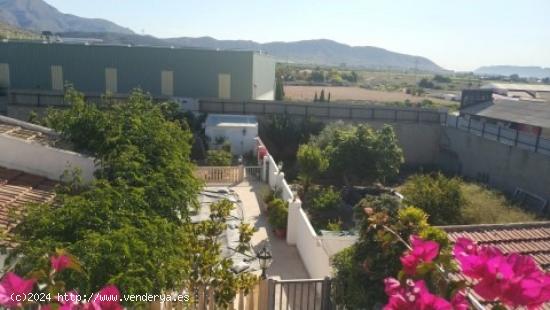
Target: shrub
(278,213)
(311,162)
(218,158)
(360,270)
(438,196)
(323,205)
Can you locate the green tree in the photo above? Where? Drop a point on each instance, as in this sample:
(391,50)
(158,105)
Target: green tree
(279,89)
(360,270)
(438,196)
(322,96)
(218,158)
(311,163)
(315,98)
(360,153)
(130,226)
(328,100)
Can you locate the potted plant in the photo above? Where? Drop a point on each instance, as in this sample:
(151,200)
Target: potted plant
(278,217)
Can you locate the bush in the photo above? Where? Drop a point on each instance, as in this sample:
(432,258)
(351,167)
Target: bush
(218,158)
(360,270)
(438,196)
(323,205)
(278,213)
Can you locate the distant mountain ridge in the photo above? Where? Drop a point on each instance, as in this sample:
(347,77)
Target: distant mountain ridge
(522,71)
(37,15)
(316,52)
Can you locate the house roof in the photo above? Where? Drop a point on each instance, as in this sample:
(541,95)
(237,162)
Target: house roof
(29,132)
(516,111)
(226,120)
(523,238)
(16,190)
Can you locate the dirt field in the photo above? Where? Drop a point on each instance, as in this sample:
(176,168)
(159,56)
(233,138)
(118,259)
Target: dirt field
(307,93)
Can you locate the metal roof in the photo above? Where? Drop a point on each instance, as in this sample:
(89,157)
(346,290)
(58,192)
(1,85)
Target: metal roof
(516,111)
(225,120)
(518,86)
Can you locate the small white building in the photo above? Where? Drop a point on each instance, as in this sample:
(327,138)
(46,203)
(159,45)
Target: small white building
(238,130)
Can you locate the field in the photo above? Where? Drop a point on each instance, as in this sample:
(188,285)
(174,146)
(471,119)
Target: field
(352,93)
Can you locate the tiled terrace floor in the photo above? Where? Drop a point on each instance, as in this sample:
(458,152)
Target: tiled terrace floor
(287,263)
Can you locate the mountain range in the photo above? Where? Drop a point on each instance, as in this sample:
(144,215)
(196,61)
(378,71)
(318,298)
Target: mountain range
(523,71)
(37,15)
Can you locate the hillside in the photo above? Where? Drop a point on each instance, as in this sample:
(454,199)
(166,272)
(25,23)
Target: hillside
(11,32)
(317,52)
(37,15)
(522,71)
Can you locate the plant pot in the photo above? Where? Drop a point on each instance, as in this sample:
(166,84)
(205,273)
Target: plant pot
(280,233)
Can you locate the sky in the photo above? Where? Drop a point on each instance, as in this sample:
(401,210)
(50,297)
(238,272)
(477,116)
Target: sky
(459,35)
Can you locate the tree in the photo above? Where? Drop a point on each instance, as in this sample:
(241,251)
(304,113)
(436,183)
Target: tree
(441,79)
(360,270)
(279,89)
(328,100)
(360,153)
(130,226)
(425,83)
(315,98)
(438,196)
(322,96)
(311,163)
(218,158)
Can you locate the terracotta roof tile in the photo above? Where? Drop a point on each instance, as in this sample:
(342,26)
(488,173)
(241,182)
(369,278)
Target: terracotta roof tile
(18,189)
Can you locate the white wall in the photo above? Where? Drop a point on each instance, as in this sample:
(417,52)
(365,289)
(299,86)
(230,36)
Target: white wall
(270,95)
(314,250)
(240,144)
(38,159)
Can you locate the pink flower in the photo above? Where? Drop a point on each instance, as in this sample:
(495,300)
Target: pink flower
(106,299)
(69,301)
(13,285)
(60,262)
(422,251)
(513,279)
(459,301)
(414,295)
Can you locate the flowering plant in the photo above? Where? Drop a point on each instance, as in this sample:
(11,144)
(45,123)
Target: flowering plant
(508,280)
(43,288)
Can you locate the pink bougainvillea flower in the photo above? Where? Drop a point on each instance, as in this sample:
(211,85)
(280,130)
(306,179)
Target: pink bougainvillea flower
(69,301)
(459,301)
(12,284)
(106,299)
(414,295)
(60,262)
(422,251)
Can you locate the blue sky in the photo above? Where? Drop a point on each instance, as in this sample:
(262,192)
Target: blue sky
(456,34)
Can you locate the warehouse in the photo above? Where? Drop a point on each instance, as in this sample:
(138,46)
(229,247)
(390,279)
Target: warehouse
(162,71)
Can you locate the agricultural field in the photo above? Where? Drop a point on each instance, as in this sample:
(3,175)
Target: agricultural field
(354,93)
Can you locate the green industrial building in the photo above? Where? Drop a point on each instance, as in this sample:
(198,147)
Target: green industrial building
(162,71)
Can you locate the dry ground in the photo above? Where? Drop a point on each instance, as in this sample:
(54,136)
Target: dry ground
(341,93)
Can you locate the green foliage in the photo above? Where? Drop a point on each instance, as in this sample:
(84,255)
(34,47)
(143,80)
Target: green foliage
(322,96)
(441,79)
(425,83)
(279,89)
(311,163)
(360,270)
(282,135)
(278,213)
(218,158)
(437,195)
(323,205)
(486,206)
(130,227)
(360,153)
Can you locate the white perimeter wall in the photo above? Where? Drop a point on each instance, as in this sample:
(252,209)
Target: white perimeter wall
(38,159)
(314,250)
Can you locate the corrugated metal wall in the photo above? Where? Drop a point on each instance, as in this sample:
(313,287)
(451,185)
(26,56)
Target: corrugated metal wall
(195,72)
